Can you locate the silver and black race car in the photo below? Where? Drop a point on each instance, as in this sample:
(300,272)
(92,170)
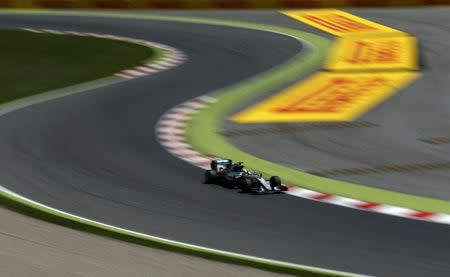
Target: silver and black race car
(234,175)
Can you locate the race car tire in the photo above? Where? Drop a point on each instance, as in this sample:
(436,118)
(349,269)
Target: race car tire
(210,176)
(275,181)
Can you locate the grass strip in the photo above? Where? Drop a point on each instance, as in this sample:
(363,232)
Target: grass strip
(36,62)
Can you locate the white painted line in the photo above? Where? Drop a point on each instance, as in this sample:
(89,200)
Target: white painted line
(73,33)
(166,63)
(440,218)
(170,129)
(177,116)
(32,30)
(168,122)
(207,99)
(176,144)
(111,37)
(184,110)
(169,137)
(53,31)
(348,202)
(146,69)
(133,72)
(194,105)
(304,193)
(122,75)
(391,210)
(156,66)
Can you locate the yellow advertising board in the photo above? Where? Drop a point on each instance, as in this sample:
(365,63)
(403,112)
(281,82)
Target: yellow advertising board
(369,53)
(339,23)
(327,97)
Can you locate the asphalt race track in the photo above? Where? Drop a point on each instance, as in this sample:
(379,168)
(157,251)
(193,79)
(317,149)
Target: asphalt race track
(94,154)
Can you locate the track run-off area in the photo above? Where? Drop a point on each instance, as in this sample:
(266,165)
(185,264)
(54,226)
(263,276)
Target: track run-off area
(94,154)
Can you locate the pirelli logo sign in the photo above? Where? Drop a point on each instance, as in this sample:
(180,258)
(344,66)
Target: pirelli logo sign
(397,52)
(327,97)
(339,23)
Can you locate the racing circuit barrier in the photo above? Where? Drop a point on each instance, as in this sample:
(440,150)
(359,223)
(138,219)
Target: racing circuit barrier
(211,4)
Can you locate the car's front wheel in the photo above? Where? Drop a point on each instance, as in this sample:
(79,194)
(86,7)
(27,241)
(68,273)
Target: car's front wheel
(275,182)
(210,176)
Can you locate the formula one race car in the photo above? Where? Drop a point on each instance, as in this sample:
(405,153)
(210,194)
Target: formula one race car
(234,175)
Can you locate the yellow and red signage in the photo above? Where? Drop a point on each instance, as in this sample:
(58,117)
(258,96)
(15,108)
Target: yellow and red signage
(368,63)
(368,53)
(339,23)
(327,97)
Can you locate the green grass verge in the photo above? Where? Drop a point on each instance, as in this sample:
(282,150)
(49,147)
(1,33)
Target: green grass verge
(32,63)
(202,133)
(18,203)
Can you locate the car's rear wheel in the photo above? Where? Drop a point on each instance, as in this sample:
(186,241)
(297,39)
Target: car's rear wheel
(210,176)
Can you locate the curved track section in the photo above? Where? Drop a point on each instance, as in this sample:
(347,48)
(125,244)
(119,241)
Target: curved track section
(94,154)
